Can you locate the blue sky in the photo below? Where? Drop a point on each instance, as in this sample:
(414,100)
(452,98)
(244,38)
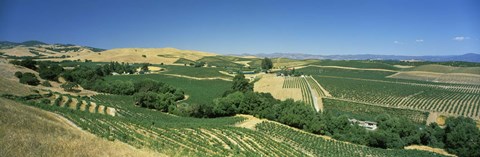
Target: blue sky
(399,27)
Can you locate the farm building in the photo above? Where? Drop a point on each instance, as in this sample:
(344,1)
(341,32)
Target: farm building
(369,125)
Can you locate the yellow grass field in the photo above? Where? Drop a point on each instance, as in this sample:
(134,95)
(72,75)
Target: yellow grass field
(135,55)
(270,83)
(28,131)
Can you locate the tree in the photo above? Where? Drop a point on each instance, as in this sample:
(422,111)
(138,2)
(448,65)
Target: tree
(462,137)
(50,72)
(46,84)
(18,74)
(70,87)
(27,63)
(145,67)
(199,64)
(29,78)
(266,64)
(241,84)
(433,136)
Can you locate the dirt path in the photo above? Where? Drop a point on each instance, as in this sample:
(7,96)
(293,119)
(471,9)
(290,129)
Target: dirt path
(318,106)
(327,94)
(250,121)
(430,149)
(245,63)
(198,78)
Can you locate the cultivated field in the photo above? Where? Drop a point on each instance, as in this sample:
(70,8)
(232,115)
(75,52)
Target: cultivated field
(457,78)
(376,88)
(274,85)
(199,91)
(182,136)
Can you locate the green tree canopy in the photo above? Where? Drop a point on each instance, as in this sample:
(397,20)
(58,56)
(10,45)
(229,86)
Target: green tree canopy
(267,63)
(241,84)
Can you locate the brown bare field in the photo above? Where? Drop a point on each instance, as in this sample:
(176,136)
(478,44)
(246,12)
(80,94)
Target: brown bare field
(27,131)
(152,55)
(429,149)
(432,117)
(462,78)
(269,83)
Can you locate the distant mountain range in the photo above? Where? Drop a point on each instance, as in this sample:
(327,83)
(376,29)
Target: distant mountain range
(35,43)
(469,57)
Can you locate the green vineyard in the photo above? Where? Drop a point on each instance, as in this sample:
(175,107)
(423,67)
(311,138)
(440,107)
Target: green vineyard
(317,146)
(315,86)
(184,136)
(301,83)
(449,99)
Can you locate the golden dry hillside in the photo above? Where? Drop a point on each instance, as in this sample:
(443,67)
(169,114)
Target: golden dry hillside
(28,131)
(143,55)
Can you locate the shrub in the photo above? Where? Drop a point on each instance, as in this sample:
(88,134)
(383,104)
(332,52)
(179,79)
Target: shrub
(27,63)
(30,79)
(18,74)
(50,72)
(46,84)
(70,87)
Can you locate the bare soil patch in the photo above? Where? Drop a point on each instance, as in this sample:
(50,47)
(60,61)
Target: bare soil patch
(269,83)
(403,66)
(432,117)
(250,122)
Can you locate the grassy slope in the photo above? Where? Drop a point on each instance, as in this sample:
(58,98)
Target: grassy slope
(200,72)
(199,91)
(447,69)
(28,131)
(221,61)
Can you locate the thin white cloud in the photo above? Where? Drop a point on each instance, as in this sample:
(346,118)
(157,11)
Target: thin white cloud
(419,40)
(461,38)
(397,42)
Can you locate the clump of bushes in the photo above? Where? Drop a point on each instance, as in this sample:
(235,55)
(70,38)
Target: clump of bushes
(46,84)
(27,78)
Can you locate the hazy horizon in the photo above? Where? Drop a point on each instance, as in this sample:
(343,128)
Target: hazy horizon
(411,28)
